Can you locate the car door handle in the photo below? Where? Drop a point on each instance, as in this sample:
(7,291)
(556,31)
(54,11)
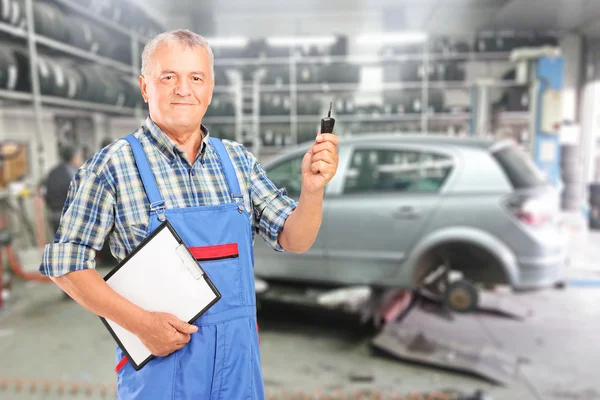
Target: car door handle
(406,212)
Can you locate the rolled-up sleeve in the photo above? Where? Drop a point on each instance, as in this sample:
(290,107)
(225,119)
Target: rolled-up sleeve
(87,218)
(271,206)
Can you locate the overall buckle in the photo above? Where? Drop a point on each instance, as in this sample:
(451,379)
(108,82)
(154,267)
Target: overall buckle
(239,200)
(159,207)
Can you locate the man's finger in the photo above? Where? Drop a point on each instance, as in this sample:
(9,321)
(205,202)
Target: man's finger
(315,167)
(328,137)
(325,169)
(183,326)
(182,338)
(326,156)
(323,146)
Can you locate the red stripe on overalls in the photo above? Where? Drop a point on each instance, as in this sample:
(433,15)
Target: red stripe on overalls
(218,251)
(121,364)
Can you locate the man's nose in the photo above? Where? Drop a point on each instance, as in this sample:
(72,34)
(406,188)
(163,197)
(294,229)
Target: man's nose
(182,88)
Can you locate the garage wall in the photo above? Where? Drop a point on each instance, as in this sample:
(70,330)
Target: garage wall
(18,123)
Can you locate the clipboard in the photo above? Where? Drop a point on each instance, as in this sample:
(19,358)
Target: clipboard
(162,275)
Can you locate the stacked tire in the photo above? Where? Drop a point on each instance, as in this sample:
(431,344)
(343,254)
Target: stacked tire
(12,12)
(221,106)
(66,78)
(54,22)
(306,132)
(339,73)
(123,13)
(308,104)
(411,102)
(277,75)
(50,21)
(594,202)
(222,131)
(56,76)
(275,104)
(86,36)
(307,74)
(104,86)
(572,177)
(490,42)
(272,135)
(51,81)
(344,105)
(9,69)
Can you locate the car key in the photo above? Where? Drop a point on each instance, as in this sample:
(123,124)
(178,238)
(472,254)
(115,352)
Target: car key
(327,123)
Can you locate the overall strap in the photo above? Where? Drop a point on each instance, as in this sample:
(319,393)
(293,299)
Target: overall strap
(230,176)
(156,201)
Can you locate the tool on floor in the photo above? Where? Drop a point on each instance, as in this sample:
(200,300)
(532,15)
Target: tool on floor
(412,326)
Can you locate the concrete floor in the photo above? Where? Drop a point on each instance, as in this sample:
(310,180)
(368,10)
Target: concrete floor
(38,341)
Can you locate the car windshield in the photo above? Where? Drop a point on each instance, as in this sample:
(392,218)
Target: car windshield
(519,169)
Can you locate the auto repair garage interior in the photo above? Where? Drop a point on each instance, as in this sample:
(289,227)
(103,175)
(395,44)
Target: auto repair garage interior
(458,255)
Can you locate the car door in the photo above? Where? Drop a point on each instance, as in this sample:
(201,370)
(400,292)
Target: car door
(286,265)
(387,196)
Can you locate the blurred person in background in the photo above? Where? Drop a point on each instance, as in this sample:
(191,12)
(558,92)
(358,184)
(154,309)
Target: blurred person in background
(56,185)
(171,169)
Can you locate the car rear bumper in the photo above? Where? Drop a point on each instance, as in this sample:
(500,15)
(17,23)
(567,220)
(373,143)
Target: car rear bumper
(542,272)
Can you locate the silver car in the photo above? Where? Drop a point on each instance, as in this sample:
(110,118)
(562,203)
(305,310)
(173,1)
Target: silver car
(402,207)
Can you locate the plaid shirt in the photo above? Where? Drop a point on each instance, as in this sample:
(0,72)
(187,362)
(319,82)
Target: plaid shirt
(107,198)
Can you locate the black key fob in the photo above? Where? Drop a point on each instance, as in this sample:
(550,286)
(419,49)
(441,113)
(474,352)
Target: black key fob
(328,123)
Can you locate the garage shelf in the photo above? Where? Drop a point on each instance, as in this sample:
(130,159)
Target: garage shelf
(13,30)
(342,118)
(62,102)
(385,86)
(225,89)
(74,51)
(86,105)
(36,43)
(379,60)
(513,116)
(99,19)
(14,95)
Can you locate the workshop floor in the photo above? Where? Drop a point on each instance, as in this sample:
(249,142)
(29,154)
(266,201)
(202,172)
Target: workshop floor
(43,337)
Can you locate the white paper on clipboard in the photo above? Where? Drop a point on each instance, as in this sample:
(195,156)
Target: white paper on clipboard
(160,275)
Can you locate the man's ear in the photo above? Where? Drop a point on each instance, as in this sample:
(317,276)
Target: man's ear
(143,88)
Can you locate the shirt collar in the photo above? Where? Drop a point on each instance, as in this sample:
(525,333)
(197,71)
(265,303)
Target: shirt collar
(166,145)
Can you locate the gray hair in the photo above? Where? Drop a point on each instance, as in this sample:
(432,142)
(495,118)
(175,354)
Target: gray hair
(182,36)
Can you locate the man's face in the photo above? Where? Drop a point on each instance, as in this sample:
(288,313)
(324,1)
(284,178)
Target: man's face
(77,160)
(178,86)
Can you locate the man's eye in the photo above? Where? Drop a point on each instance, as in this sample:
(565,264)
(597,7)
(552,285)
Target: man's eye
(168,77)
(197,79)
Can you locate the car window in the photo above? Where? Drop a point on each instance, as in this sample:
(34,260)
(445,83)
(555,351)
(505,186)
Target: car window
(396,171)
(287,174)
(519,169)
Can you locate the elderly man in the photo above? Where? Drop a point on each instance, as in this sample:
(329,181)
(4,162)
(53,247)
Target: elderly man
(214,193)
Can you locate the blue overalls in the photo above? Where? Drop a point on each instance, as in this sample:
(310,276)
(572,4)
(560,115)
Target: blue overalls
(222,360)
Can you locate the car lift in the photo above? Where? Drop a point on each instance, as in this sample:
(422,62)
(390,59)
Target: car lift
(413,326)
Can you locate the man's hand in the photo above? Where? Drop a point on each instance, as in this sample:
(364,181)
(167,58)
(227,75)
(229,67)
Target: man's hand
(320,163)
(164,333)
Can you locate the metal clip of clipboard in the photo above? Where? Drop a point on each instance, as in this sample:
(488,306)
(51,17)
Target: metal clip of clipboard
(189,262)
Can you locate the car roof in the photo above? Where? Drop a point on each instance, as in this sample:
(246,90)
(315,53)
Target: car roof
(405,138)
(431,139)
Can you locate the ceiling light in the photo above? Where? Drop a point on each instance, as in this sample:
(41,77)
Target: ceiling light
(283,41)
(233,41)
(392,38)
